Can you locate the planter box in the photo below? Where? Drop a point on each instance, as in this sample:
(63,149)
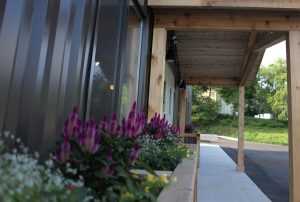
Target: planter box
(143,173)
(183,186)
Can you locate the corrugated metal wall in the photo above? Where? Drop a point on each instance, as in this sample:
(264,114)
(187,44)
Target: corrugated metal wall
(44,57)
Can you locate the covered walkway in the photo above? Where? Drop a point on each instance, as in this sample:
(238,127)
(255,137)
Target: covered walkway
(221,43)
(219,181)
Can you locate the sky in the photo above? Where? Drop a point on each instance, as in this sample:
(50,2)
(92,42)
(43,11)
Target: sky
(273,53)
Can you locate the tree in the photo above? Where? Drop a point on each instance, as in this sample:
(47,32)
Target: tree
(266,94)
(255,102)
(204,108)
(229,95)
(273,81)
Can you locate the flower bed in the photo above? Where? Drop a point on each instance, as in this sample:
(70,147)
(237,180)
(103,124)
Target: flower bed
(22,178)
(162,148)
(94,162)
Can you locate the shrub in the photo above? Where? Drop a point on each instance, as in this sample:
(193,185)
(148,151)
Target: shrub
(161,148)
(162,154)
(205,110)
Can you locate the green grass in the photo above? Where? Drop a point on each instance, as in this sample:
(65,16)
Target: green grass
(256,130)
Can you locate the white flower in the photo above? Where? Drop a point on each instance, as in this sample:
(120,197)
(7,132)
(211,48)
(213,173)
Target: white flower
(22,178)
(36,155)
(6,134)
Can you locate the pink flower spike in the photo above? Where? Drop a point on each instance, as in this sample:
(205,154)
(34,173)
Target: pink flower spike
(63,153)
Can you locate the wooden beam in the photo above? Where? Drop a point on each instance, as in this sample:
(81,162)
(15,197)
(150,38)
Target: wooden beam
(254,65)
(182,110)
(269,40)
(245,68)
(237,4)
(212,81)
(293,63)
(191,19)
(157,73)
(241,158)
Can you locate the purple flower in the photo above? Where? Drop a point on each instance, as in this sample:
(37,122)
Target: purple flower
(130,127)
(109,156)
(104,124)
(109,170)
(134,154)
(63,153)
(159,127)
(174,129)
(90,138)
(134,125)
(72,124)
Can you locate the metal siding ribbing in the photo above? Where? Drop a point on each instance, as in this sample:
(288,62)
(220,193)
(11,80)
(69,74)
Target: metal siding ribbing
(44,54)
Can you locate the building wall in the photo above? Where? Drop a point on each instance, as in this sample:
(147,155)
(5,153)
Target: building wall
(225,108)
(57,54)
(44,55)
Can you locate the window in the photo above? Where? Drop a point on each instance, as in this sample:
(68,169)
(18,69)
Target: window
(170,101)
(131,63)
(142,2)
(114,84)
(106,62)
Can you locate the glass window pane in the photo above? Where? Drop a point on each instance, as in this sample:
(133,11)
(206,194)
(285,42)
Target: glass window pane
(142,2)
(130,75)
(106,59)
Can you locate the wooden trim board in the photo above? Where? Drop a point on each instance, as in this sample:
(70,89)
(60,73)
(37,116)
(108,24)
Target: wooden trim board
(233,4)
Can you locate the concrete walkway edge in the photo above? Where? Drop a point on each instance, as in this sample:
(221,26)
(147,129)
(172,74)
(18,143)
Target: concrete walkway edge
(218,180)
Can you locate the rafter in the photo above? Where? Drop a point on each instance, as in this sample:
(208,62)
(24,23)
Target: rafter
(254,4)
(269,40)
(212,81)
(245,68)
(191,19)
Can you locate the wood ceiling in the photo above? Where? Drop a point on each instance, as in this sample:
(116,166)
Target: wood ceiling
(222,57)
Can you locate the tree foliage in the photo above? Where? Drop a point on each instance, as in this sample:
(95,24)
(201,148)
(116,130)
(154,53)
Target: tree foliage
(273,82)
(204,109)
(266,94)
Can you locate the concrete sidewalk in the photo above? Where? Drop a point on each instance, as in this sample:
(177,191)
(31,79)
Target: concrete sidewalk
(218,180)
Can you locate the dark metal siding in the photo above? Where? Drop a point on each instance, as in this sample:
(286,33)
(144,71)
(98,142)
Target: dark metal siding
(44,57)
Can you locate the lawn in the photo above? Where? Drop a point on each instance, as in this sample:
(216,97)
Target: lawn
(256,130)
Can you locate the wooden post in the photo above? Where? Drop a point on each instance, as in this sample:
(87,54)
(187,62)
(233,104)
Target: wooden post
(240,160)
(182,110)
(293,63)
(157,74)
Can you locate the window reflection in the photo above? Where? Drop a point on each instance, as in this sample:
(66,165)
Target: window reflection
(141,2)
(106,59)
(130,74)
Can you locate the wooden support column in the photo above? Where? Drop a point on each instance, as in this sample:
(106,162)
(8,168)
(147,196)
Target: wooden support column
(240,160)
(157,74)
(182,110)
(293,63)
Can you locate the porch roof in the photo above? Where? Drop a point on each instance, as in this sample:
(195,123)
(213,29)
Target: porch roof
(233,4)
(221,57)
(223,46)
